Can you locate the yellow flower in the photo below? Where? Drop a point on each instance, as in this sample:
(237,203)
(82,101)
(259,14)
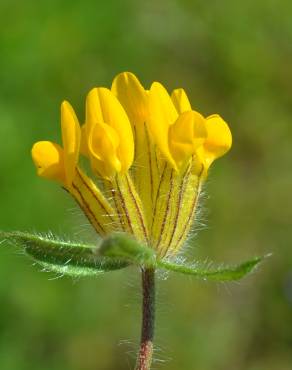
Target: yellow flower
(150,152)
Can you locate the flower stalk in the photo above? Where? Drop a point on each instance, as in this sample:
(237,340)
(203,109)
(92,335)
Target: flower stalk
(144,359)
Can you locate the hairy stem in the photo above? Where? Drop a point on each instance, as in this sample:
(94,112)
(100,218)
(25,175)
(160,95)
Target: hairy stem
(148,317)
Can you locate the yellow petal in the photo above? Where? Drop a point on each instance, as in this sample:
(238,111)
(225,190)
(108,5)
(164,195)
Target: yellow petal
(48,159)
(103,107)
(103,143)
(133,97)
(162,114)
(180,100)
(71,140)
(186,135)
(219,139)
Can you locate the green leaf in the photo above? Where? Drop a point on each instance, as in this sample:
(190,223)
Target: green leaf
(63,257)
(69,270)
(216,274)
(122,246)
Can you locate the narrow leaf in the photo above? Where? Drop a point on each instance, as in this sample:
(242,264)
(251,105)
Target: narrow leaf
(216,274)
(63,257)
(69,270)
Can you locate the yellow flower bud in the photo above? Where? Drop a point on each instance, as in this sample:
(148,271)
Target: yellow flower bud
(48,158)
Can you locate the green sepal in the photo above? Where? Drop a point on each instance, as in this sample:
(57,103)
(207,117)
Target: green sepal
(66,258)
(122,246)
(231,273)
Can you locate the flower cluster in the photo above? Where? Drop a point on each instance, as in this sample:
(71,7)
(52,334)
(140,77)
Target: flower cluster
(149,154)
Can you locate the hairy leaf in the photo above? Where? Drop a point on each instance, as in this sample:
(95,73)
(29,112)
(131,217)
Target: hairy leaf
(216,274)
(63,257)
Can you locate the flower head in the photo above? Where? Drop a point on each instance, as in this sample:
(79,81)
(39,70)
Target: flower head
(150,152)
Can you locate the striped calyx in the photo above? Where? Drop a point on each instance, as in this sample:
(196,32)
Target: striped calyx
(150,152)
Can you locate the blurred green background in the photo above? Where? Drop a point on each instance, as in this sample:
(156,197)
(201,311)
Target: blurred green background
(232,57)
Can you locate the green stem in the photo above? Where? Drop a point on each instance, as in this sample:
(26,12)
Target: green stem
(148,317)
